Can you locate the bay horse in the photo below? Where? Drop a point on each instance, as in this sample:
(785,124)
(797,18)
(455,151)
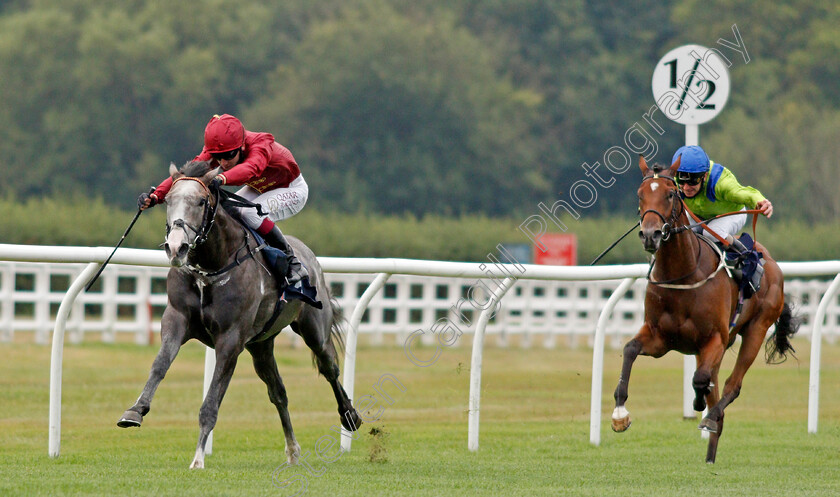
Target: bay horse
(691,306)
(221,292)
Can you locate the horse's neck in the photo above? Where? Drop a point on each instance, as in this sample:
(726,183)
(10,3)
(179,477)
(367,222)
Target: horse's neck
(222,240)
(678,256)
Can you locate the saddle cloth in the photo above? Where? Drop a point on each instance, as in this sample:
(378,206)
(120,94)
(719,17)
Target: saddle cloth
(279,265)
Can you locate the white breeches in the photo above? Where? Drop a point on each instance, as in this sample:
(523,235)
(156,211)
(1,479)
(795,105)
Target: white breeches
(725,226)
(280,203)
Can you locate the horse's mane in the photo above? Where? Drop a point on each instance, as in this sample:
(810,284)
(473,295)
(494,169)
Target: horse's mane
(659,168)
(196,168)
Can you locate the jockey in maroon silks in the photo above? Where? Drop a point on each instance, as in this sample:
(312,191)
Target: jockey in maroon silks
(270,176)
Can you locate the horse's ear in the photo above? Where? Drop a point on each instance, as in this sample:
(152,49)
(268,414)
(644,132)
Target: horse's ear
(207,178)
(173,170)
(643,165)
(675,166)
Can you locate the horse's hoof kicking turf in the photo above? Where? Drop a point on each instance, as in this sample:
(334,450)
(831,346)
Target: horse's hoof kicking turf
(130,419)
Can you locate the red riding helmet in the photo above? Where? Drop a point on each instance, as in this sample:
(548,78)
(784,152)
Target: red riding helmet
(223,134)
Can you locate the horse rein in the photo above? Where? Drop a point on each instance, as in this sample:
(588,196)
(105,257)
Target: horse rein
(203,231)
(667,230)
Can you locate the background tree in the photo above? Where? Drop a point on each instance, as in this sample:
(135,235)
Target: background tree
(398,106)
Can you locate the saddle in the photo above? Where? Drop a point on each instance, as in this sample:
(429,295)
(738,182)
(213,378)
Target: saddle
(279,266)
(277,261)
(746,268)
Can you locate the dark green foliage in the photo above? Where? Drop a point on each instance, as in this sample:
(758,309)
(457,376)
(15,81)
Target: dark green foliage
(409,107)
(82,221)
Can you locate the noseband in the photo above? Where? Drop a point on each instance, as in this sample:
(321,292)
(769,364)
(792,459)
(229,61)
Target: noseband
(667,223)
(207,219)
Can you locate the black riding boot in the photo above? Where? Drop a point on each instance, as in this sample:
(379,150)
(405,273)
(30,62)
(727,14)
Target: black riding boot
(296,271)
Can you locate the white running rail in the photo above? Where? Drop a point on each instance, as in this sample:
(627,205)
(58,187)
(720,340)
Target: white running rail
(529,310)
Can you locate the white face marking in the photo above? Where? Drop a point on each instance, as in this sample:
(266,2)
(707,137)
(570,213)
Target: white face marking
(179,206)
(654,186)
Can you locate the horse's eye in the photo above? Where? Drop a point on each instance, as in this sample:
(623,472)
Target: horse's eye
(202,202)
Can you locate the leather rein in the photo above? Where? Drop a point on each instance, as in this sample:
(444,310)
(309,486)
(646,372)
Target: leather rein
(207,221)
(668,228)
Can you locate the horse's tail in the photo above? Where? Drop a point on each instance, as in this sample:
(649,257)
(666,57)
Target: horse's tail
(337,324)
(778,343)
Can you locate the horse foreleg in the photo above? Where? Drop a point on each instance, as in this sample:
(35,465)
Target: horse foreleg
(750,345)
(621,416)
(266,367)
(172,336)
(227,352)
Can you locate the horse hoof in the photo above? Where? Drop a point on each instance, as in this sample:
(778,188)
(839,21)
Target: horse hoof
(709,426)
(351,421)
(699,404)
(130,419)
(196,464)
(620,425)
(620,419)
(293,454)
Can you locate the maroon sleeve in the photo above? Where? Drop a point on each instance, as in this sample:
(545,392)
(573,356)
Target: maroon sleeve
(163,188)
(258,154)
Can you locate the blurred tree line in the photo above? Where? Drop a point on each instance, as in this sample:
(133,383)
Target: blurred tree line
(421,107)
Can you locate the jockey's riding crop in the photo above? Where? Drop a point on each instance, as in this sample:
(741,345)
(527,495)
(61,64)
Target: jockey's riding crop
(614,243)
(96,276)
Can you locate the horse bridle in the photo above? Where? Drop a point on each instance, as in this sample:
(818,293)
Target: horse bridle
(208,216)
(667,228)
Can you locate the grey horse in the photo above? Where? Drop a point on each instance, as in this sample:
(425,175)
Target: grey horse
(222,293)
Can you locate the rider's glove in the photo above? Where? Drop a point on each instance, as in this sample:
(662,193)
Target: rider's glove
(146,200)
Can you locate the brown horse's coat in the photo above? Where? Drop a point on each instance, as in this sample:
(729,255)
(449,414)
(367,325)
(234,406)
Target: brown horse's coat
(696,321)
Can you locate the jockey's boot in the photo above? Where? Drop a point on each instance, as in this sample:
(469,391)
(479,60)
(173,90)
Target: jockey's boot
(296,270)
(735,246)
(738,247)
(734,253)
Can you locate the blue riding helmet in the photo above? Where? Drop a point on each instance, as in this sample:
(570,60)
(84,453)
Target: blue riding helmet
(694,159)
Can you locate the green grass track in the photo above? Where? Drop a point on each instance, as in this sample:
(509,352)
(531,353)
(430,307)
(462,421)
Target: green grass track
(534,436)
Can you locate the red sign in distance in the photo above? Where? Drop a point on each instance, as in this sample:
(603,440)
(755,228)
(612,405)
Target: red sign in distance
(561,250)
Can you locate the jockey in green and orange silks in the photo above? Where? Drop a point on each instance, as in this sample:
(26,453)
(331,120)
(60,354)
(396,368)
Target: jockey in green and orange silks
(709,189)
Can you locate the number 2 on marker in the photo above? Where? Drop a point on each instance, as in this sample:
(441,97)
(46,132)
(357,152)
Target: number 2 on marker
(710,85)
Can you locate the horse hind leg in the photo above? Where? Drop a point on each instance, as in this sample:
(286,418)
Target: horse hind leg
(266,367)
(708,362)
(714,428)
(227,353)
(328,366)
(752,338)
(317,337)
